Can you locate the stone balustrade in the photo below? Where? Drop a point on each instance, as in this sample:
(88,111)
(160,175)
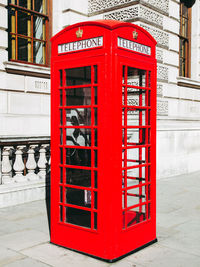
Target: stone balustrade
(24,161)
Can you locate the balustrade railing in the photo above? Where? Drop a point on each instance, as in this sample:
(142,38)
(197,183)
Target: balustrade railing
(24,160)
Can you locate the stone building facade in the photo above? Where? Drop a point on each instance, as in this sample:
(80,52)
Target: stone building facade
(25,88)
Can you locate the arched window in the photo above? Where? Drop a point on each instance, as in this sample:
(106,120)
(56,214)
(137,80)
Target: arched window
(185,40)
(28,31)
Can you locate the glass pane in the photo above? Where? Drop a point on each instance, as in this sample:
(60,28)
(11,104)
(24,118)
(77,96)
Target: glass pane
(61,77)
(95,220)
(40,6)
(61,175)
(12,51)
(95,116)
(137,175)
(78,217)
(61,155)
(95,179)
(61,194)
(136,117)
(136,215)
(25,3)
(123,74)
(61,117)
(38,27)
(23,23)
(78,96)
(23,49)
(61,97)
(135,196)
(78,117)
(95,200)
(78,177)
(135,97)
(136,77)
(14,2)
(78,137)
(38,48)
(61,213)
(95,95)
(78,157)
(95,137)
(95,158)
(95,74)
(78,76)
(149,79)
(61,136)
(136,156)
(78,197)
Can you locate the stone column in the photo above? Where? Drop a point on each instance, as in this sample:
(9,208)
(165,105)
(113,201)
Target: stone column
(31,164)
(42,161)
(6,166)
(19,165)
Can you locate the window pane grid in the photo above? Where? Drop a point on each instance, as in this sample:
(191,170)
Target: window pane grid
(184,40)
(136,146)
(79,123)
(27,33)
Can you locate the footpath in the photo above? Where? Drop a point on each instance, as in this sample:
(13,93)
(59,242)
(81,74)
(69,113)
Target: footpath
(24,233)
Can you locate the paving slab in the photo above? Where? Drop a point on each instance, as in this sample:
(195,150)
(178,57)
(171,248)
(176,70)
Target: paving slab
(23,239)
(24,233)
(39,223)
(27,262)
(8,226)
(7,256)
(158,255)
(59,257)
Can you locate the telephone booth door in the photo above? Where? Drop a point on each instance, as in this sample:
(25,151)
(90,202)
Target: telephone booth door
(138,131)
(78,109)
(103,122)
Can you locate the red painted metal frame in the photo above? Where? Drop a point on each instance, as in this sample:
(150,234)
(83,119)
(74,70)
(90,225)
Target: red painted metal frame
(110,240)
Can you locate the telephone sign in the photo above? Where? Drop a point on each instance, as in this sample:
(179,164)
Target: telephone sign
(103,139)
(80,45)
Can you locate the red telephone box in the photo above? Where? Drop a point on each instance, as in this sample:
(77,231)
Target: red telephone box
(103,143)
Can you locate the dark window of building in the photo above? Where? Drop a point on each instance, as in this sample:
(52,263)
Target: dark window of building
(29,31)
(185,41)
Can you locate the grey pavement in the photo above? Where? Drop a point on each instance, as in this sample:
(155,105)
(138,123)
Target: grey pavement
(24,233)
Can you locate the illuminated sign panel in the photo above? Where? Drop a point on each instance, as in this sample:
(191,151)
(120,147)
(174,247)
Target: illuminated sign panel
(136,47)
(80,45)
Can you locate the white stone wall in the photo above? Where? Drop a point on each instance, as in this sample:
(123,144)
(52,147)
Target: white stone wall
(24,100)
(178,134)
(178,119)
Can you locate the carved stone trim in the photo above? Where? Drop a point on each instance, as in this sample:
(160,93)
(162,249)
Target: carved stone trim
(159,89)
(161,4)
(159,55)
(161,37)
(162,107)
(150,15)
(99,6)
(137,11)
(123,14)
(162,73)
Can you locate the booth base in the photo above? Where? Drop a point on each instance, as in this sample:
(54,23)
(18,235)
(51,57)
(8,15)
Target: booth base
(113,260)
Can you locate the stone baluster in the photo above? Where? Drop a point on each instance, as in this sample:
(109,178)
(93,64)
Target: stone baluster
(42,161)
(6,166)
(19,165)
(31,164)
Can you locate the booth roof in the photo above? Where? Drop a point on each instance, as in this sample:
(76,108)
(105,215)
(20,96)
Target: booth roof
(109,24)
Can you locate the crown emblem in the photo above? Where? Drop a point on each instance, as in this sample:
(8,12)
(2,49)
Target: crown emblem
(79,33)
(135,34)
